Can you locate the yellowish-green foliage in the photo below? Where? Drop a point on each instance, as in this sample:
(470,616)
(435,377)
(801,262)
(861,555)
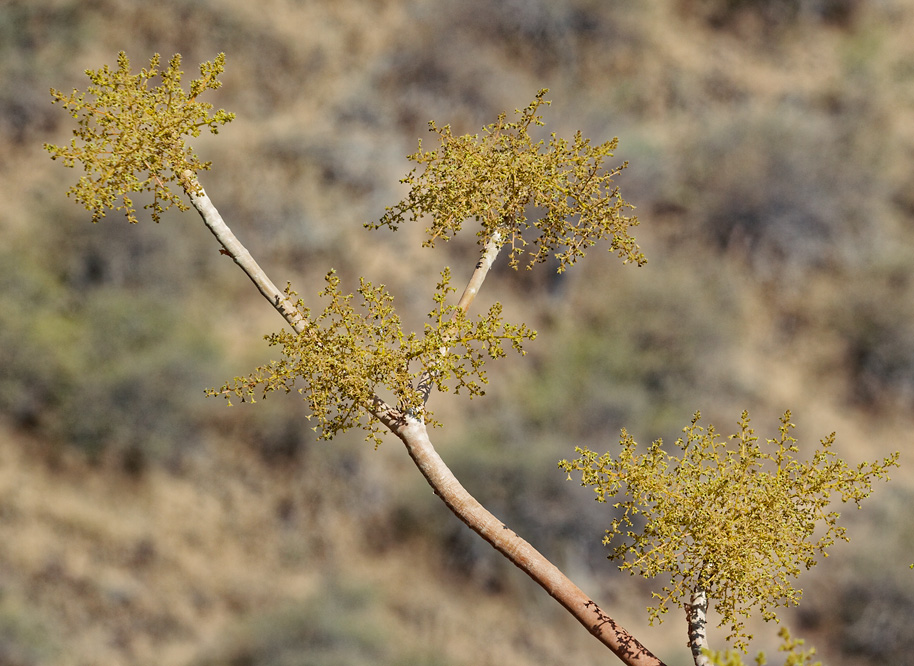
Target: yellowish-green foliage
(347,355)
(795,656)
(130,137)
(495,179)
(734,518)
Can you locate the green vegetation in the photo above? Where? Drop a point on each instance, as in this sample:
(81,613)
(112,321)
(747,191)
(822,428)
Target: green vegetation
(340,624)
(733,521)
(24,637)
(345,357)
(131,136)
(90,399)
(796,655)
(495,179)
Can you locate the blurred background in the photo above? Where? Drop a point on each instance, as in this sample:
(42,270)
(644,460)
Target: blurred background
(771,152)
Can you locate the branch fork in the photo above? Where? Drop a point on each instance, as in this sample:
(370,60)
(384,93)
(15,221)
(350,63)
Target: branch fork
(412,431)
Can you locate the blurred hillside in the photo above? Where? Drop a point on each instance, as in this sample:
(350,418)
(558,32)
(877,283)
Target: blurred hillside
(771,151)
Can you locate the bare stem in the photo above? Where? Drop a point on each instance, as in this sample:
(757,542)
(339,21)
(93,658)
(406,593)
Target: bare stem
(489,253)
(519,552)
(697,617)
(239,252)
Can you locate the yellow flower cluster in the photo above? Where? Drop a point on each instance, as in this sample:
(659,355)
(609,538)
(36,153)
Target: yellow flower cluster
(735,521)
(130,136)
(498,178)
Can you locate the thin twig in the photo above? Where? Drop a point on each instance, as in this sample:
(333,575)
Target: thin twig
(489,254)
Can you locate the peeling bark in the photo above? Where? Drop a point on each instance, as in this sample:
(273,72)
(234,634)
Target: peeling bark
(697,617)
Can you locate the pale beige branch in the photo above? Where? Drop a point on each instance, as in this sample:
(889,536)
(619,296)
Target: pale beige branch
(239,253)
(585,610)
(489,254)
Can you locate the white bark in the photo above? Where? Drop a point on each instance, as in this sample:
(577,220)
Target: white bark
(697,616)
(239,253)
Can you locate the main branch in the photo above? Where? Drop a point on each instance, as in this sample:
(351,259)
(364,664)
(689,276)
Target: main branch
(585,610)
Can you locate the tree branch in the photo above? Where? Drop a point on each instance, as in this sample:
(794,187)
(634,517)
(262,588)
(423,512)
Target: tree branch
(239,253)
(697,617)
(413,433)
(489,253)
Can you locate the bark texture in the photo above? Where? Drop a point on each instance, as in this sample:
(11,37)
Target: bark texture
(697,616)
